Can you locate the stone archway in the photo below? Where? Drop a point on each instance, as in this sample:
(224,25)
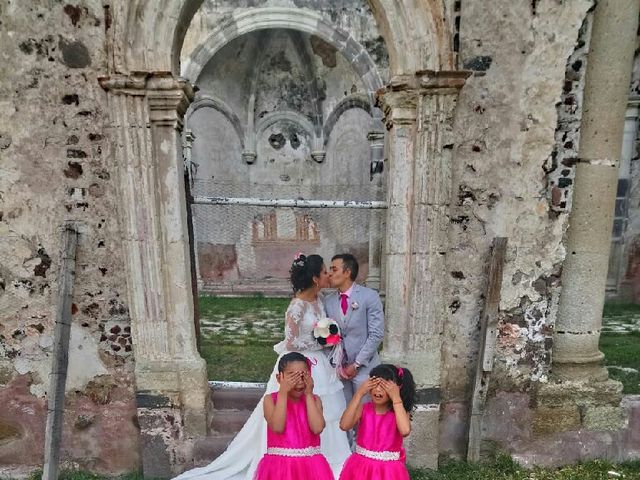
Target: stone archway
(147,103)
(302,20)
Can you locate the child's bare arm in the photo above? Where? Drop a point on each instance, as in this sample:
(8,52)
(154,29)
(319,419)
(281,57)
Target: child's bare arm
(403,421)
(314,414)
(352,414)
(275,414)
(314,405)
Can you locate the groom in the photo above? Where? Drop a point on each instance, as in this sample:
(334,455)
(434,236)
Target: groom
(358,311)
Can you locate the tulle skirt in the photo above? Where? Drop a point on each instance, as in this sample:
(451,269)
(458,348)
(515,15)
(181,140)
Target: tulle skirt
(278,467)
(240,459)
(358,467)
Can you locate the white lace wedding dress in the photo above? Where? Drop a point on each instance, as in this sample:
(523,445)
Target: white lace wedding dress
(241,458)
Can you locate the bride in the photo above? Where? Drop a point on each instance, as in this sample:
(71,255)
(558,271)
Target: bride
(239,461)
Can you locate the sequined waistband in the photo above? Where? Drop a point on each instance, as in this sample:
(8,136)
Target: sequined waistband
(294,452)
(384,456)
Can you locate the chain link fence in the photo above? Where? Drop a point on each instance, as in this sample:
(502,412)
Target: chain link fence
(248,249)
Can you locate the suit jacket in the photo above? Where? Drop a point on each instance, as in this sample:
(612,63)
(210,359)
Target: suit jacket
(362,328)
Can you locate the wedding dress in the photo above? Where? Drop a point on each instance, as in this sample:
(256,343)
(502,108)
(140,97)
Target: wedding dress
(240,459)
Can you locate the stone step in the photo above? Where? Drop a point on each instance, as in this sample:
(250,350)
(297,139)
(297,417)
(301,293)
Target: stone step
(209,448)
(236,395)
(228,421)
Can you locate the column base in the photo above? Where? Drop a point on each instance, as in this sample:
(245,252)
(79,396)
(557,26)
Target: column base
(569,405)
(422,444)
(579,372)
(174,409)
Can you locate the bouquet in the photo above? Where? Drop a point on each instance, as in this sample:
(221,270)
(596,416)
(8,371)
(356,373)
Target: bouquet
(326,332)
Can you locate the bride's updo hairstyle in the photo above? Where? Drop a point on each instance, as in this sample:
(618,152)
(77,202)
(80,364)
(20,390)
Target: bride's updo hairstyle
(303,269)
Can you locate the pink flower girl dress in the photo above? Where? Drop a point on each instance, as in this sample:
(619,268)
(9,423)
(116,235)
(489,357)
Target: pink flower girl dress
(379,452)
(295,453)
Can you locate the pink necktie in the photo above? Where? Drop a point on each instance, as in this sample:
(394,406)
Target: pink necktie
(343,303)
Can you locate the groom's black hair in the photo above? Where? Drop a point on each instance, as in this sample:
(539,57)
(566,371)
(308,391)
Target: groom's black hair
(350,263)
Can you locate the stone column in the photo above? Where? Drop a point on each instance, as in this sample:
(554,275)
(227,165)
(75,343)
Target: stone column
(577,332)
(191,168)
(172,390)
(419,113)
(376,217)
(623,226)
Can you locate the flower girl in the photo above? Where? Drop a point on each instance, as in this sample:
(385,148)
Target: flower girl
(294,423)
(382,424)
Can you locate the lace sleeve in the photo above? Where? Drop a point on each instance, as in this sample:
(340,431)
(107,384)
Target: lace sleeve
(297,338)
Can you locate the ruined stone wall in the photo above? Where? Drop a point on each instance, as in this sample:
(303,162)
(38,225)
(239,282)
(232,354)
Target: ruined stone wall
(516,133)
(55,167)
(516,121)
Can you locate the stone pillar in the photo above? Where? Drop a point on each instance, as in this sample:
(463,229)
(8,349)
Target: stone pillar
(620,283)
(191,169)
(376,217)
(172,390)
(419,114)
(577,332)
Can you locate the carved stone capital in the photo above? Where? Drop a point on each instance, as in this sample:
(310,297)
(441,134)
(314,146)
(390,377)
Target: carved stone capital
(429,80)
(400,97)
(168,97)
(399,107)
(134,84)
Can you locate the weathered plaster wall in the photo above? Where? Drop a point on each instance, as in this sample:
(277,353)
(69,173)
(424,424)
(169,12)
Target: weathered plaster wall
(516,132)
(54,167)
(506,123)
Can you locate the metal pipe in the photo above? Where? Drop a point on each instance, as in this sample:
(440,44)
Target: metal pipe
(290,202)
(60,361)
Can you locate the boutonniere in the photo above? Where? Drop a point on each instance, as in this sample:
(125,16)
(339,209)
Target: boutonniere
(355,306)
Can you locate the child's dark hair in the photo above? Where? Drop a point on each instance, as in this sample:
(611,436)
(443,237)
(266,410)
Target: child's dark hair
(291,357)
(303,269)
(403,378)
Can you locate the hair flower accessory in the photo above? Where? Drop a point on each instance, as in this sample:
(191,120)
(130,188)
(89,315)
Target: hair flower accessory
(299,259)
(355,306)
(326,332)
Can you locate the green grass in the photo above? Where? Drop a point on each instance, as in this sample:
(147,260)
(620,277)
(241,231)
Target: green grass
(212,306)
(623,350)
(620,309)
(83,475)
(501,468)
(234,357)
(250,357)
(250,362)
(504,468)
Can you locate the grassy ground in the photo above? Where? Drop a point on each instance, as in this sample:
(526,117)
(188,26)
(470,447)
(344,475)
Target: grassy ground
(238,335)
(612,310)
(622,357)
(622,349)
(503,468)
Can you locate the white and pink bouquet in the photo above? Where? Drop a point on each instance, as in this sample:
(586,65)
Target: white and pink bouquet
(326,332)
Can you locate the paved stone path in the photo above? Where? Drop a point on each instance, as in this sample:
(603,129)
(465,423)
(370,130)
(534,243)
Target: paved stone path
(621,323)
(262,325)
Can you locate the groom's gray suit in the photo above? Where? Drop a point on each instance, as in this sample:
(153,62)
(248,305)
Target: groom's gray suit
(362,330)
